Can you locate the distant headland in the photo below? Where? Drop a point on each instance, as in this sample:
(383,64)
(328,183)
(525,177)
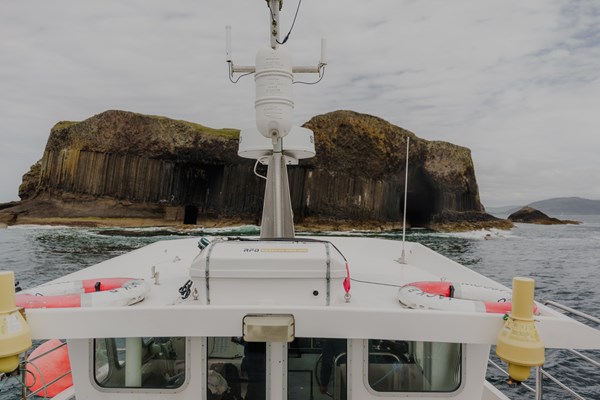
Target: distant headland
(124,168)
(556,206)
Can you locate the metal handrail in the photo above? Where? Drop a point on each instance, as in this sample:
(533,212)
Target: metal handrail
(584,357)
(538,382)
(559,383)
(572,311)
(541,373)
(45,385)
(47,352)
(499,368)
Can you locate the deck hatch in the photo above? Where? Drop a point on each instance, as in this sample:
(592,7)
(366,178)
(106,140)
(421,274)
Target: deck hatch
(262,272)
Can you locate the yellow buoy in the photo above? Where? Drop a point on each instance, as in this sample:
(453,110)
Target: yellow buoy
(518,343)
(15,336)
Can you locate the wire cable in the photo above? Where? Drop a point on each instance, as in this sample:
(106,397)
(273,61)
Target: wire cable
(321,75)
(375,283)
(293,22)
(256,165)
(230,75)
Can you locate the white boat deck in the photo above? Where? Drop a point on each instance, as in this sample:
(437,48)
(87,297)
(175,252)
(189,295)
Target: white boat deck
(375,281)
(373,312)
(376,276)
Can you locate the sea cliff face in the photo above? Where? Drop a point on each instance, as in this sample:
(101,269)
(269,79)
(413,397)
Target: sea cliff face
(128,165)
(361,161)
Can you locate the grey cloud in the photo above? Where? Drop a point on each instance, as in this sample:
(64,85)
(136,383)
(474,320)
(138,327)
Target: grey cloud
(517,82)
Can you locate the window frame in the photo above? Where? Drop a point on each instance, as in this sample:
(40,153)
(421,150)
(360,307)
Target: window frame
(396,394)
(115,364)
(346,352)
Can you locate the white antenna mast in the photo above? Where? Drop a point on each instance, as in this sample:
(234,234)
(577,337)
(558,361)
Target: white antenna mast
(402,259)
(274,105)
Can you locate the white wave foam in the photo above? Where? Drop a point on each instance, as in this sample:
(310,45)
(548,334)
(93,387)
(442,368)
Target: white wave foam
(481,234)
(235,229)
(40,227)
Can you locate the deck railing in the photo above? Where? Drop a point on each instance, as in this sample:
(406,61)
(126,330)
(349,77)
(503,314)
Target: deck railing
(541,373)
(41,392)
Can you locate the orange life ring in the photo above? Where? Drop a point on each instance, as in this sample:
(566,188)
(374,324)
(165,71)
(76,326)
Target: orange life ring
(43,369)
(103,292)
(460,296)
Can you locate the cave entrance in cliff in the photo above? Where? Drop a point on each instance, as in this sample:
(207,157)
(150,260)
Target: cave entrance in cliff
(419,208)
(190,215)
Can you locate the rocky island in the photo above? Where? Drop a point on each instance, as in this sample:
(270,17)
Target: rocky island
(530,215)
(120,167)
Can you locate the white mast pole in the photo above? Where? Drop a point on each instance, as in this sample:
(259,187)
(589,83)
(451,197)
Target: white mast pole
(277,141)
(402,257)
(274,106)
(277,165)
(274,33)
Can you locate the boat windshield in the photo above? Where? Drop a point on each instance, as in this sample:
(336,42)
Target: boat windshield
(413,366)
(237,369)
(145,363)
(317,368)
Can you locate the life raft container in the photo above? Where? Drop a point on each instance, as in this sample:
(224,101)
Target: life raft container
(49,369)
(103,292)
(450,296)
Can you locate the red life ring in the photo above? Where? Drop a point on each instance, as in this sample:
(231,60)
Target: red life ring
(456,297)
(42,369)
(103,292)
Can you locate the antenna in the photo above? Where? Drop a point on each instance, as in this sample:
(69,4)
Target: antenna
(228,43)
(402,259)
(274,106)
(323,51)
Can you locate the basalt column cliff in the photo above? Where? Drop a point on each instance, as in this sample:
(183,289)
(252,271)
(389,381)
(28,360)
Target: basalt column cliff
(128,165)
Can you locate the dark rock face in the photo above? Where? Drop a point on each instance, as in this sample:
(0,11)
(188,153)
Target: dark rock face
(360,168)
(138,164)
(530,215)
(144,160)
(31,180)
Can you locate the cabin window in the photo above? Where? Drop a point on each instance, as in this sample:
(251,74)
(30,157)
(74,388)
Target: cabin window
(236,369)
(413,366)
(317,369)
(145,363)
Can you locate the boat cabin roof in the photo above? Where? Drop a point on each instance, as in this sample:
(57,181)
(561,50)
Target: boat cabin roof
(372,310)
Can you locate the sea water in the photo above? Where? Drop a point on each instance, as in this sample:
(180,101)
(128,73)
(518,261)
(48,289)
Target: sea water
(563,259)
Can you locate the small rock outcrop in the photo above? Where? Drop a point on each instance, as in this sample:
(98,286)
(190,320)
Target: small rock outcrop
(120,164)
(31,181)
(530,215)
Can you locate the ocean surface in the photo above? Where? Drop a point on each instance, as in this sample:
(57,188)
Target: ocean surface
(563,259)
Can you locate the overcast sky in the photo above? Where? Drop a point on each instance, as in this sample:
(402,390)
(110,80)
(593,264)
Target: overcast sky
(517,82)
